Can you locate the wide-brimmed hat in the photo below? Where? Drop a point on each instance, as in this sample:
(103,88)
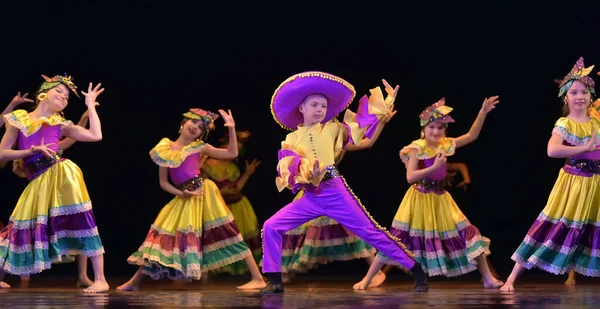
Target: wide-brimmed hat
(290,94)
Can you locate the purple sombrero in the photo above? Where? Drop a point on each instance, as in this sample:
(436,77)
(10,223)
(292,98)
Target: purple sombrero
(288,96)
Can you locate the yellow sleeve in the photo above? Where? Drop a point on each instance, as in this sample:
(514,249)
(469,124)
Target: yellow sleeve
(294,168)
(370,111)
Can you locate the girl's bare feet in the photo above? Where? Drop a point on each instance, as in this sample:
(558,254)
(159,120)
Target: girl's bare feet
(97,287)
(507,288)
(254,284)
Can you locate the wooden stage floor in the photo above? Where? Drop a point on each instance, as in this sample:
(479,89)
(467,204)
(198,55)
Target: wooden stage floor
(303,293)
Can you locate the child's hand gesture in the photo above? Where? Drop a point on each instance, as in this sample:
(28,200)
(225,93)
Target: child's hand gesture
(489,104)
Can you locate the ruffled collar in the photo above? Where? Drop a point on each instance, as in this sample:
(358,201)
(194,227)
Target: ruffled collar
(163,155)
(445,145)
(576,133)
(20,119)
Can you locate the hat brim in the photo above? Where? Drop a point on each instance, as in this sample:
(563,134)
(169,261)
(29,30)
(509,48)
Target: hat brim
(290,94)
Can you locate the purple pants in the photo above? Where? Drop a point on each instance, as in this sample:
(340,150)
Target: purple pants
(335,200)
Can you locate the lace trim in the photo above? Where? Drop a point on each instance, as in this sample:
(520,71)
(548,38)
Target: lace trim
(71,209)
(403,226)
(571,138)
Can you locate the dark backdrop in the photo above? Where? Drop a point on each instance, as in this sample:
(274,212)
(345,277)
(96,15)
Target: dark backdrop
(157,60)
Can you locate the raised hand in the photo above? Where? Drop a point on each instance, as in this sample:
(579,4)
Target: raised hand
(227,117)
(251,166)
(489,104)
(92,94)
(390,91)
(20,99)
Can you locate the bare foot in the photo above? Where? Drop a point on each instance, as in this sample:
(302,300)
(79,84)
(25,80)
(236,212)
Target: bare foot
(362,285)
(25,282)
(571,278)
(4,285)
(84,282)
(377,280)
(97,287)
(493,284)
(285,278)
(254,284)
(128,287)
(507,288)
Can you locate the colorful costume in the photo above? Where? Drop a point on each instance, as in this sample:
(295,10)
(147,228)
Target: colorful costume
(320,241)
(53,219)
(225,174)
(189,235)
(326,194)
(565,234)
(428,220)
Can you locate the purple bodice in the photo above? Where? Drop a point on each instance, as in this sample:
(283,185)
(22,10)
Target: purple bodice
(190,168)
(50,135)
(438,174)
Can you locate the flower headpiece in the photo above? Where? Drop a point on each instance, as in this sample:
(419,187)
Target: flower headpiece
(437,112)
(206,116)
(208,119)
(50,83)
(578,72)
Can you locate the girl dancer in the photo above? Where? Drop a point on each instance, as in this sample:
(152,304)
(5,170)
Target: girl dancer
(428,220)
(564,235)
(195,232)
(54,226)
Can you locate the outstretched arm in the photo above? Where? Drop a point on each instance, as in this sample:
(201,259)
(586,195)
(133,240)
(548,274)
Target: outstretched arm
(366,142)
(473,134)
(373,113)
(67,142)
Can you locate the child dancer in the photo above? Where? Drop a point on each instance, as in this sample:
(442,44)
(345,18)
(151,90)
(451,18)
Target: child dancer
(53,219)
(428,220)
(324,240)
(308,103)
(195,232)
(225,173)
(564,235)
(19,170)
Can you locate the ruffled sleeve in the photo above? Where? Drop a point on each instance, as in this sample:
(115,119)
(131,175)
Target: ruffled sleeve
(446,145)
(293,168)
(575,133)
(364,122)
(20,120)
(164,156)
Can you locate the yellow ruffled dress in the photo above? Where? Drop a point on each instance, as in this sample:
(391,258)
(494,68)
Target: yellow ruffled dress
(189,235)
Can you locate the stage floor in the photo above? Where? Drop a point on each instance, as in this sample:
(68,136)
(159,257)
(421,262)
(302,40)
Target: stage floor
(303,293)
